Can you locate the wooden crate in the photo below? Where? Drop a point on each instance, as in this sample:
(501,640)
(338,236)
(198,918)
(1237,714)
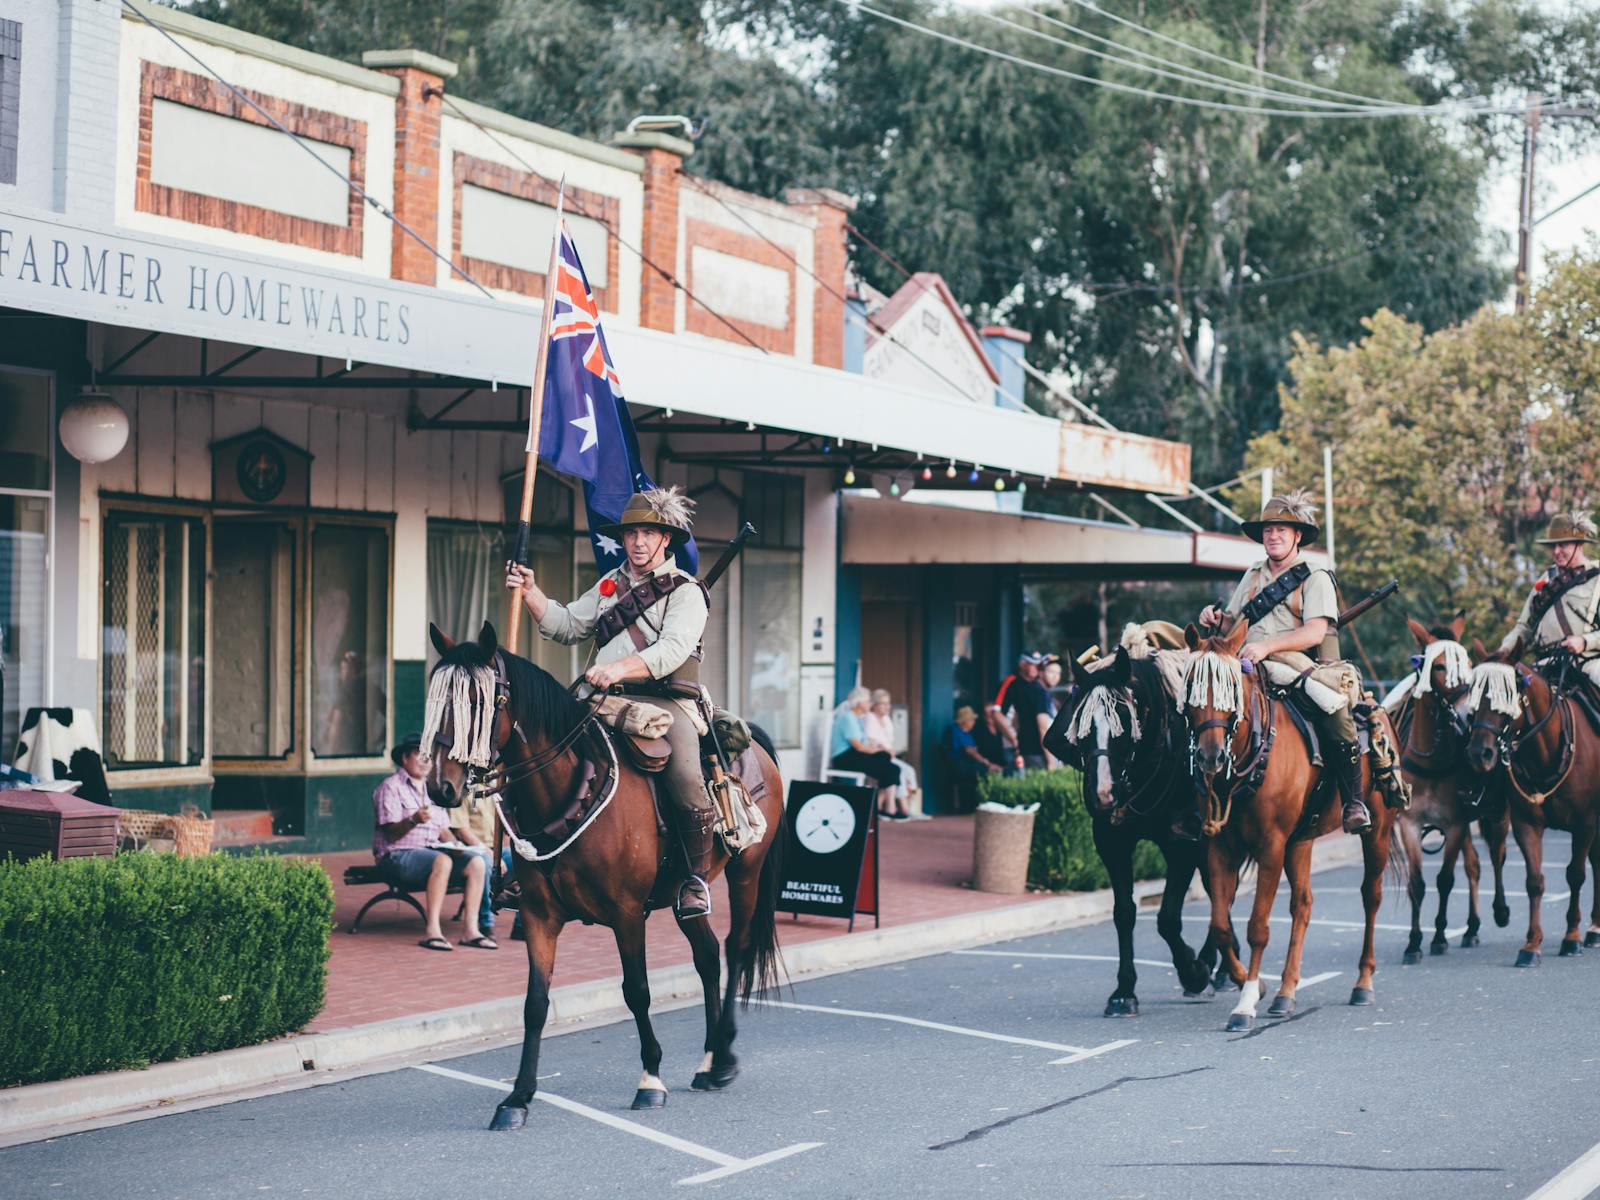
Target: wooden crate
(55,823)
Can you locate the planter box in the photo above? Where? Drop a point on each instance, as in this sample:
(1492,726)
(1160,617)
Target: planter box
(55,823)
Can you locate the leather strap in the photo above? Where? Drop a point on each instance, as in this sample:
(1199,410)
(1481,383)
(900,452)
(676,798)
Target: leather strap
(1275,593)
(1546,597)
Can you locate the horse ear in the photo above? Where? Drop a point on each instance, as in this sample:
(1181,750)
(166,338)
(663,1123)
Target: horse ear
(1235,639)
(1191,636)
(1419,632)
(1458,624)
(1070,671)
(1121,667)
(1479,652)
(487,642)
(441,643)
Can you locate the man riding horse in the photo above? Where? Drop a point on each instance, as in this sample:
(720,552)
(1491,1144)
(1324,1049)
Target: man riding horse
(1561,608)
(1291,608)
(648,618)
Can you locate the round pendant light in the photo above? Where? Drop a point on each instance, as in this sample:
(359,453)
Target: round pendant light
(94,429)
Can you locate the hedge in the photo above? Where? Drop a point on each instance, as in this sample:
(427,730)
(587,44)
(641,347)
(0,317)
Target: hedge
(1063,858)
(113,963)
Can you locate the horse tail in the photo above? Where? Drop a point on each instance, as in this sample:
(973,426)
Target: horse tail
(762,969)
(1397,869)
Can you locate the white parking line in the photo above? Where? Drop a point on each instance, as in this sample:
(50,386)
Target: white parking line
(1073,1053)
(727,1164)
(1580,1179)
(1111,958)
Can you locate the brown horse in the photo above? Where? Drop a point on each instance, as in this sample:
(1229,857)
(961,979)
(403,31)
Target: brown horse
(1446,795)
(1540,741)
(1256,780)
(544,746)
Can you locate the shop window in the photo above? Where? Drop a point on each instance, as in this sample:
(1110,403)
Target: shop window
(10,97)
(769,605)
(252,678)
(24,543)
(153,640)
(349,640)
(24,430)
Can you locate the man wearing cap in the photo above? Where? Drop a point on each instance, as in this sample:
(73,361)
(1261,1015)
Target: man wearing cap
(647,618)
(1561,608)
(1031,711)
(1293,609)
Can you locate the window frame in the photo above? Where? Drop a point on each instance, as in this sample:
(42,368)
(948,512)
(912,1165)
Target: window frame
(48,495)
(11,115)
(291,761)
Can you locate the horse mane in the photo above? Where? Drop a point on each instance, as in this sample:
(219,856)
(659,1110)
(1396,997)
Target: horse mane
(539,703)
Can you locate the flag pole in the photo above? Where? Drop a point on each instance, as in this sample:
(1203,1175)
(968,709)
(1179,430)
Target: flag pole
(530,471)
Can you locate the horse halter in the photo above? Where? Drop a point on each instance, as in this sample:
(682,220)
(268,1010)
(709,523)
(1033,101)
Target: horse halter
(1122,777)
(498,776)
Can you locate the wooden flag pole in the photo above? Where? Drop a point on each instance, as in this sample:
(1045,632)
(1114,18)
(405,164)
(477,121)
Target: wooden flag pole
(530,471)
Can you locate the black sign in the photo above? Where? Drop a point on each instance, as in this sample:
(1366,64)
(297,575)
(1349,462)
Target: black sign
(828,828)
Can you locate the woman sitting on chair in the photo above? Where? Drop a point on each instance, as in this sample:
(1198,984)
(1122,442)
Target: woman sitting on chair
(852,751)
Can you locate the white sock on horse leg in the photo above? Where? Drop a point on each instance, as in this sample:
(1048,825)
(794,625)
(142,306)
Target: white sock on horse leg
(649,1083)
(705,1063)
(1249,997)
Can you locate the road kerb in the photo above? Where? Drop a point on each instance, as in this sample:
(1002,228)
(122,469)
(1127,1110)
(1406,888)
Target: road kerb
(37,1111)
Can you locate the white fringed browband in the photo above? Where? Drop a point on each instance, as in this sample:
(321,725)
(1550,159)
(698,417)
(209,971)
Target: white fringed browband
(1100,702)
(1215,681)
(468,694)
(1498,682)
(1457,666)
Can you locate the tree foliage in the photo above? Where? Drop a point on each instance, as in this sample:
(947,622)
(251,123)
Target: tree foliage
(1452,450)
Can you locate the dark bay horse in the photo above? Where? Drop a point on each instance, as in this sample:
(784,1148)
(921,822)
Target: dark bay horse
(1446,794)
(1255,780)
(1125,733)
(1543,747)
(539,737)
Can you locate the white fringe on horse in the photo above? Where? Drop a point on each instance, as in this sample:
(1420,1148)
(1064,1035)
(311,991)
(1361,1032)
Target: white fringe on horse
(1101,703)
(1497,681)
(1457,666)
(467,694)
(1214,681)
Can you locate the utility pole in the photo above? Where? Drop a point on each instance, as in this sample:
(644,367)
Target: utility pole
(1530,144)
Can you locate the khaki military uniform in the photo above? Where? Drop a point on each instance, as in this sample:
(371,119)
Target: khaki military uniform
(1580,605)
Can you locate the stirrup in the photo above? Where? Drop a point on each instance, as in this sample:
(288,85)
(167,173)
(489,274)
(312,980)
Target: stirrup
(691,912)
(1356,808)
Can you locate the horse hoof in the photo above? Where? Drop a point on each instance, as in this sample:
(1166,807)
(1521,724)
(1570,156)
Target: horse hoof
(1281,1006)
(1122,1006)
(1438,948)
(509,1116)
(649,1098)
(1224,983)
(1360,997)
(1527,958)
(1469,940)
(717,1078)
(1591,939)
(1570,948)
(1240,1022)
(1502,915)
(1411,958)
(1202,996)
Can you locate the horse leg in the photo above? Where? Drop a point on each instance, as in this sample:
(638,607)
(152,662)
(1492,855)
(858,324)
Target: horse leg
(651,1093)
(1297,866)
(1582,840)
(540,933)
(1222,870)
(1269,870)
(1494,836)
(1182,860)
(1469,936)
(1416,889)
(1530,840)
(708,965)
(1592,938)
(1453,839)
(721,1066)
(1116,851)
(1374,854)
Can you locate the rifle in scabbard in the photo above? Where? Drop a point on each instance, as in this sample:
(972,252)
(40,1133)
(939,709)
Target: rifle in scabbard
(1370,601)
(725,559)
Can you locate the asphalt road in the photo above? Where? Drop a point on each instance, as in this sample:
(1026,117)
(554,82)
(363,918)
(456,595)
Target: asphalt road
(986,1072)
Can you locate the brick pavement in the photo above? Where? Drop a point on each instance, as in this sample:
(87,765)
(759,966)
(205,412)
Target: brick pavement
(382,973)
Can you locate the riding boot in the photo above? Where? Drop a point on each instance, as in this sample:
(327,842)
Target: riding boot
(1186,824)
(695,831)
(1346,758)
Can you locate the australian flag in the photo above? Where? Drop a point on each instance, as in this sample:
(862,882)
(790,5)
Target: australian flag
(587,431)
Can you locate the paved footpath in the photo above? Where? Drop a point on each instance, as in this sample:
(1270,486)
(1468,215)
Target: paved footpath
(982,1072)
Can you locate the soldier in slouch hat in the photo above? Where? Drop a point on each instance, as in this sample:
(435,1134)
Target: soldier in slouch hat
(1561,608)
(647,618)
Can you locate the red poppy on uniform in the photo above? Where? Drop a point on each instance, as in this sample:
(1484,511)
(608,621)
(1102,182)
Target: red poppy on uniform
(608,587)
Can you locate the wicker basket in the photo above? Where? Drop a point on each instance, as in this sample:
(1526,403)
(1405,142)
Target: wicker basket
(192,835)
(141,824)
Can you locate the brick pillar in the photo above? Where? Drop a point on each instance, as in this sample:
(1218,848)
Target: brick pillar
(416,157)
(829,262)
(663,156)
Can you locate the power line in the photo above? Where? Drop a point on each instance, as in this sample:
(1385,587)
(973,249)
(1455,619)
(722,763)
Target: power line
(599,218)
(1568,203)
(1454,108)
(296,139)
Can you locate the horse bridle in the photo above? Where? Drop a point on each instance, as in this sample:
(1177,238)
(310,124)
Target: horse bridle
(1089,753)
(1509,748)
(1246,775)
(498,776)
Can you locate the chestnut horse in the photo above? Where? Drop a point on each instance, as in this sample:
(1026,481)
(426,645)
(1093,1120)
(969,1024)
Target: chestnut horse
(1124,733)
(538,740)
(1544,748)
(1446,795)
(1256,778)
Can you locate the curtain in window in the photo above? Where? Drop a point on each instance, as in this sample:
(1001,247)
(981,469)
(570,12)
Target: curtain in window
(772,642)
(465,578)
(349,640)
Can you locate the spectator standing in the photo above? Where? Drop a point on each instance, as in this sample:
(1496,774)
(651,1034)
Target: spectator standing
(413,847)
(879,724)
(967,762)
(1031,713)
(988,733)
(850,750)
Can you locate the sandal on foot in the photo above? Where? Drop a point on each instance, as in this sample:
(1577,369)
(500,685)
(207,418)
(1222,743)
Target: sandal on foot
(481,942)
(435,943)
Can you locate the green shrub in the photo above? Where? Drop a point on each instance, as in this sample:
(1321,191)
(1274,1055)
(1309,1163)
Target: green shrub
(112,963)
(1064,858)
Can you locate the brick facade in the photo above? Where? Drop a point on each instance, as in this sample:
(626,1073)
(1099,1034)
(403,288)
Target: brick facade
(830,260)
(751,249)
(526,185)
(157,82)
(658,298)
(416,171)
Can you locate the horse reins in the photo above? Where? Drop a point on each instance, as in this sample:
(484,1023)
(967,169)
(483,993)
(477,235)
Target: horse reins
(1510,749)
(501,776)
(1158,776)
(1220,808)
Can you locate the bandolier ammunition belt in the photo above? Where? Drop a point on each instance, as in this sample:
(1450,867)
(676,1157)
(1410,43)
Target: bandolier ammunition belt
(1557,584)
(1275,593)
